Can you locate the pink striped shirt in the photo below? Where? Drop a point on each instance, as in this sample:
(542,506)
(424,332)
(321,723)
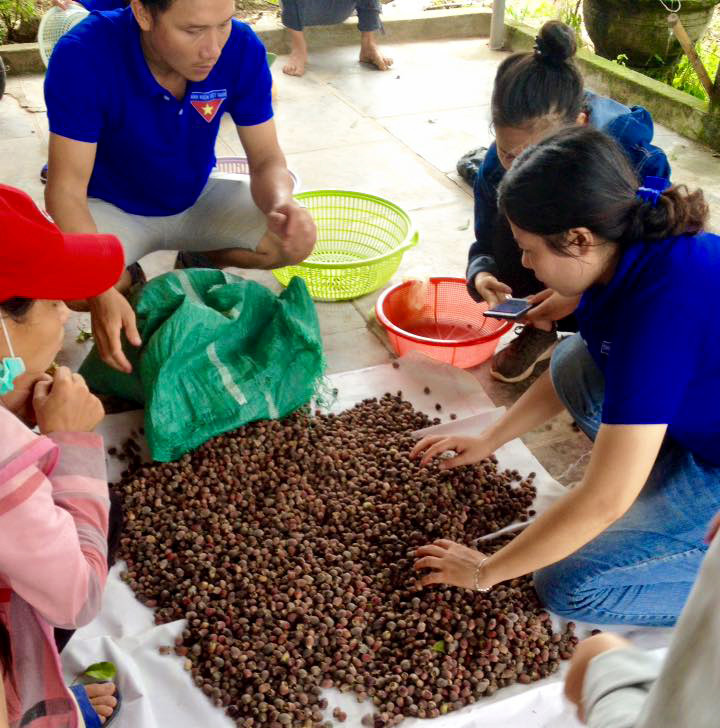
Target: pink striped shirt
(53,559)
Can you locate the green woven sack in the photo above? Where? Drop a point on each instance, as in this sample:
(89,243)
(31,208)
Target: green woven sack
(218,352)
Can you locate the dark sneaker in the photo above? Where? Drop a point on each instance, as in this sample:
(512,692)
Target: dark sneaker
(518,359)
(186,259)
(469,164)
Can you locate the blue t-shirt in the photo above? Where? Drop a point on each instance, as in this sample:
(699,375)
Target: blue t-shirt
(154,153)
(652,330)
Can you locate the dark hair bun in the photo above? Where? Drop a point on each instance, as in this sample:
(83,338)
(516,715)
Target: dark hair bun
(556,43)
(677,212)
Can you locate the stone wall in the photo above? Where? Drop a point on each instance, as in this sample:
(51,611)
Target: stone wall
(682,112)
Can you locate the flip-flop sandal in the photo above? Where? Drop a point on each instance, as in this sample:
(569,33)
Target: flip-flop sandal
(90,716)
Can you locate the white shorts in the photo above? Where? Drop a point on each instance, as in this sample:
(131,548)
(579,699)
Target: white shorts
(224,216)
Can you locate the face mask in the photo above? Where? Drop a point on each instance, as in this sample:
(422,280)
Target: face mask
(11,366)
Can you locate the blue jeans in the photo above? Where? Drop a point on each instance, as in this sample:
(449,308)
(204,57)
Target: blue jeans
(640,570)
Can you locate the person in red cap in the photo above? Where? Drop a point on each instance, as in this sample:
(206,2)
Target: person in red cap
(55,515)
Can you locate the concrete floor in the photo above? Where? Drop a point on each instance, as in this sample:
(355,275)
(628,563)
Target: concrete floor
(397,135)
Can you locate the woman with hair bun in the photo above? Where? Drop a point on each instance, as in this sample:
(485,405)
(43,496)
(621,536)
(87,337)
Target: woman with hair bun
(537,93)
(642,380)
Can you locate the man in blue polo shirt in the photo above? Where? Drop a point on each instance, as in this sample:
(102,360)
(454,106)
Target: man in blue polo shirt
(134,100)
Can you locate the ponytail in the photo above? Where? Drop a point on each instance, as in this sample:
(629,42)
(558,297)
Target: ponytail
(580,177)
(677,212)
(541,83)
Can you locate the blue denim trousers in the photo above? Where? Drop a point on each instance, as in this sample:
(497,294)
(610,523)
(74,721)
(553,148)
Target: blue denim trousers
(640,570)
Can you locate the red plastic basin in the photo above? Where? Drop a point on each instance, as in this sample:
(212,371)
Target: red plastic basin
(439,319)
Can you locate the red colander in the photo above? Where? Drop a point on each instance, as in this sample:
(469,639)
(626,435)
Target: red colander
(439,319)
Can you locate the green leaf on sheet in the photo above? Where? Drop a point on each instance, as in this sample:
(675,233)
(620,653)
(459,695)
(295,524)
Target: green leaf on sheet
(101,671)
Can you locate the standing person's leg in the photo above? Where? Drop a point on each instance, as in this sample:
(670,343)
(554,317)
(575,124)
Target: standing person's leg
(369,24)
(298,14)
(641,569)
(292,20)
(295,65)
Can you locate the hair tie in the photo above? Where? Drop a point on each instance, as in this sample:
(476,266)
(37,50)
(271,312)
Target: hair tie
(652,188)
(540,47)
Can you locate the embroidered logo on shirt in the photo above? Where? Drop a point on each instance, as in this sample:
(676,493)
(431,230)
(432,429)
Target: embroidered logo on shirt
(605,347)
(207,103)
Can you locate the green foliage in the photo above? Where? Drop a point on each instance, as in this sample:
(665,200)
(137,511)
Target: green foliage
(12,13)
(522,12)
(571,14)
(687,80)
(683,77)
(535,13)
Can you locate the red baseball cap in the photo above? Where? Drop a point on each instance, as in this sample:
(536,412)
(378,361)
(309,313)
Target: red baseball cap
(38,260)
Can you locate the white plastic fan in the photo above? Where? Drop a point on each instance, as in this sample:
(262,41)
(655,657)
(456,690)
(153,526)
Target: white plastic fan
(54,24)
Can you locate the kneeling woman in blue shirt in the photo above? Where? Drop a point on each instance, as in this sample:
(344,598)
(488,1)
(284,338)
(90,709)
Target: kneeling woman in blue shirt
(642,379)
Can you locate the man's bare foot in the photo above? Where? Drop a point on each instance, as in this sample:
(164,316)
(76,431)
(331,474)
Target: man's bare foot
(295,65)
(375,57)
(102,699)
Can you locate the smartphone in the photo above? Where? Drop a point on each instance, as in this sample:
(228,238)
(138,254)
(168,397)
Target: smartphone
(511,309)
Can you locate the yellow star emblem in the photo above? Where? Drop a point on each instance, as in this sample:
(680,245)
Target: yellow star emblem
(207,110)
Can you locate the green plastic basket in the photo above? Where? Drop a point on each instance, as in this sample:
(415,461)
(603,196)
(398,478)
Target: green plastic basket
(361,241)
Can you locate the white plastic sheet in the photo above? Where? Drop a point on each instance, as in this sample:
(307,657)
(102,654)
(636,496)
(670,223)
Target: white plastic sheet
(158,692)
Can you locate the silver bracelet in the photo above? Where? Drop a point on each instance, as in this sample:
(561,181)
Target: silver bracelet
(478,569)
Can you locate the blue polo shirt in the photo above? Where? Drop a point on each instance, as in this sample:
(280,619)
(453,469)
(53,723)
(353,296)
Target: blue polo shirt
(653,331)
(154,153)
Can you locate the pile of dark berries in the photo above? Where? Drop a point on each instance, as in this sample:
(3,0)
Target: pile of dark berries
(288,548)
